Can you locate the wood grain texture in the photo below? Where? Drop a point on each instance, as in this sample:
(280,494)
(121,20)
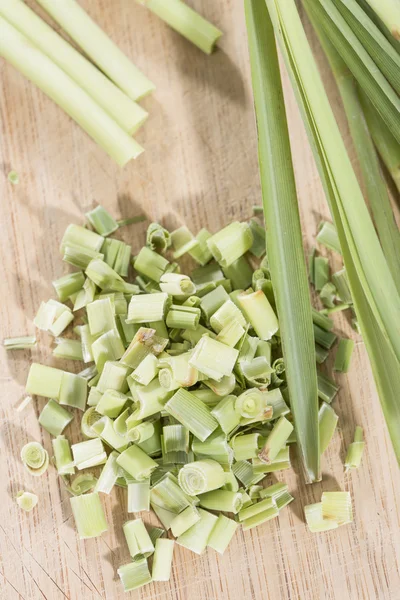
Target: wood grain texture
(199,168)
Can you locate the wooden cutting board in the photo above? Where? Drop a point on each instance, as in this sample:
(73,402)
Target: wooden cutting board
(199,168)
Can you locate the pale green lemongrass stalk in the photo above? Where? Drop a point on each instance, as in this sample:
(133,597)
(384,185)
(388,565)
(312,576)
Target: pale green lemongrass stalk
(151,307)
(63,456)
(245,446)
(68,284)
(343,355)
(141,432)
(231,334)
(201,253)
(73,391)
(176,284)
(146,371)
(327,389)
(144,342)
(104,428)
(197,537)
(149,399)
(54,418)
(175,446)
(184,520)
(19,343)
(223,387)
(279,463)
(113,377)
(137,463)
(89,515)
(162,560)
(323,338)
(109,474)
(328,420)
(90,453)
(157,237)
(68,349)
(244,472)
(355,451)
(134,575)
(186,21)
(168,495)
(276,440)
(44,381)
(230,243)
(328,295)
(183,317)
(26,500)
(321,272)
(222,534)
(213,359)
(138,539)
(286,259)
(215,447)
(201,476)
(192,413)
(63,90)
(111,404)
(327,236)
(150,264)
(259,313)
(183,241)
(35,458)
(337,506)
(225,314)
(240,272)
(139,496)
(101,220)
(341,283)
(315,520)
(226,415)
(89,418)
(222,500)
(389,13)
(81,484)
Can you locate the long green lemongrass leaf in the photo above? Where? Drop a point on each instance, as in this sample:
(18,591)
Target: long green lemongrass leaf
(363,67)
(378,195)
(285,250)
(337,172)
(388,12)
(385,365)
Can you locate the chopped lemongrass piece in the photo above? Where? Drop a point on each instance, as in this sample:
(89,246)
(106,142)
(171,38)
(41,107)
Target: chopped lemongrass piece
(226,415)
(19,343)
(328,237)
(212,301)
(68,285)
(327,389)
(245,446)
(182,241)
(251,406)
(88,454)
(201,476)
(258,247)
(79,256)
(137,538)
(343,355)
(222,534)
(175,446)
(85,295)
(276,440)
(61,322)
(101,317)
(143,343)
(315,520)
(80,236)
(150,264)
(176,284)
(62,456)
(197,537)
(321,354)
(327,424)
(274,491)
(24,404)
(111,403)
(328,294)
(337,507)
(13,177)
(182,371)
(239,273)
(108,475)
(201,252)
(152,307)
(244,472)
(231,483)
(141,432)
(89,515)
(137,463)
(104,428)
(96,44)
(54,418)
(186,21)
(191,412)
(215,447)
(222,500)
(168,495)
(355,450)
(158,238)
(83,483)
(341,282)
(184,520)
(89,418)
(183,317)
(276,401)
(113,377)
(155,533)
(257,372)
(134,575)
(162,560)
(101,221)
(225,314)
(326,339)
(26,500)
(230,243)
(94,397)
(68,349)
(279,463)
(260,313)
(321,272)
(107,279)
(213,359)
(73,391)
(322,321)
(231,334)
(256,508)
(139,496)
(259,518)
(146,371)
(35,458)
(149,399)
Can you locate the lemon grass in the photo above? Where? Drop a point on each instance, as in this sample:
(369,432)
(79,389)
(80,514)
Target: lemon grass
(26,500)
(355,450)
(222,500)
(55,83)
(286,258)
(315,520)
(337,506)
(35,458)
(90,453)
(111,403)
(197,537)
(109,474)
(137,463)
(176,284)
(63,456)
(138,539)
(389,13)
(230,243)
(201,476)
(139,496)
(184,520)
(186,21)
(276,440)
(213,359)
(343,355)
(19,343)
(104,428)
(134,575)
(328,420)
(54,418)
(89,515)
(162,560)
(327,389)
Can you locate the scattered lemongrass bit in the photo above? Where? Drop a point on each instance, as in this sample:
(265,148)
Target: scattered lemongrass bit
(24,403)
(343,355)
(355,450)
(13,177)
(315,520)
(201,476)
(276,440)
(68,349)
(176,284)
(230,243)
(328,237)
(327,389)
(341,282)
(63,456)
(245,446)
(152,307)
(54,418)
(328,420)
(104,428)
(35,458)
(131,220)
(109,474)
(155,533)
(222,534)
(337,507)
(134,575)
(182,241)
(83,483)
(138,539)
(19,343)
(213,359)
(222,500)
(201,252)
(322,320)
(244,472)
(68,285)
(323,338)
(328,294)
(111,403)
(73,391)
(89,418)
(162,559)
(197,537)
(89,515)
(226,415)
(139,496)
(186,21)
(101,221)
(321,354)
(137,463)
(260,314)
(259,518)
(279,463)
(26,500)
(321,272)
(183,317)
(184,520)
(192,413)
(90,453)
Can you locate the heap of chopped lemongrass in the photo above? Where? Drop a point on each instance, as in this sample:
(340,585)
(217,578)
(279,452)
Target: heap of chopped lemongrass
(184,392)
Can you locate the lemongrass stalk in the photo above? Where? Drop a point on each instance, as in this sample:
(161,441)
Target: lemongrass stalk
(226,414)
(101,221)
(54,418)
(247,501)
(343,355)
(101,317)
(315,520)
(26,500)
(323,338)
(94,397)
(327,295)
(176,284)
(139,496)
(279,463)
(182,240)
(63,456)
(213,358)
(113,377)
(195,336)
(155,533)
(239,273)
(111,403)
(152,307)
(149,399)
(35,458)
(186,21)
(322,321)
(158,238)
(337,506)
(328,237)
(138,539)
(259,313)
(256,508)
(184,520)
(231,333)
(389,13)
(231,483)
(107,279)
(201,253)
(104,428)
(85,295)
(321,272)
(257,373)
(274,491)
(335,309)
(208,397)
(108,475)
(244,472)
(386,144)
(192,413)
(230,243)
(355,451)
(287,263)
(276,401)
(89,515)
(150,264)
(212,301)
(168,495)
(88,454)
(73,391)
(225,314)
(19,343)
(79,256)
(276,440)
(197,537)
(143,343)
(245,446)
(321,354)
(146,371)
(75,235)
(216,447)
(134,575)
(81,484)
(222,534)
(141,432)
(119,424)
(63,90)
(137,463)
(251,406)
(223,387)
(167,381)
(68,349)
(222,500)
(201,476)
(259,518)
(208,274)
(162,560)
(340,280)
(175,445)
(183,317)
(68,284)
(328,420)
(61,323)
(89,418)
(327,389)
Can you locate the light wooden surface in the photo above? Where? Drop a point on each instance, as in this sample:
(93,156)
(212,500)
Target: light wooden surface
(200,168)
